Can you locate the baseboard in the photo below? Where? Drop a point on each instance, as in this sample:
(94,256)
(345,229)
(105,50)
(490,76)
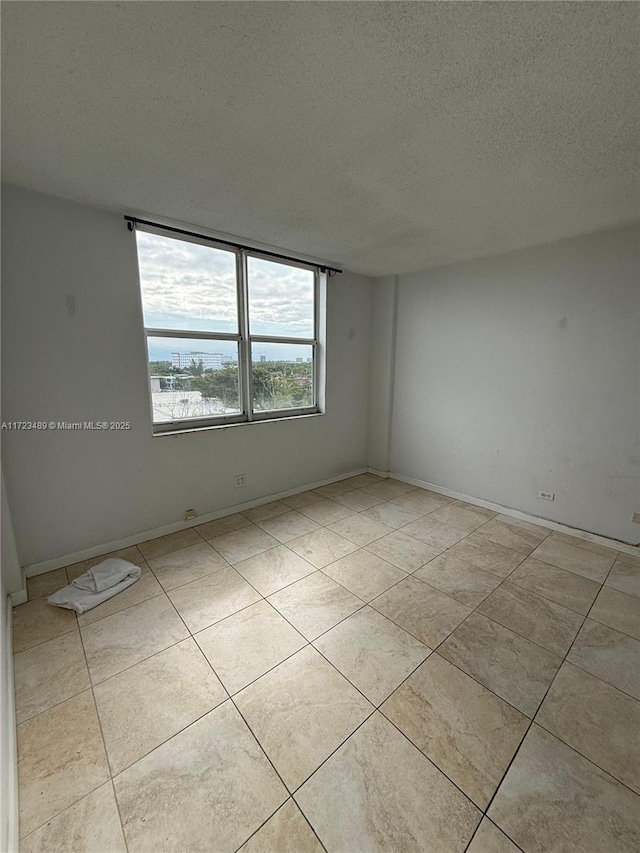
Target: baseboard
(9,786)
(615,544)
(116,544)
(384,474)
(18,597)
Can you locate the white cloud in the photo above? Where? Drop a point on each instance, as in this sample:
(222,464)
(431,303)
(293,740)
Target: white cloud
(188,285)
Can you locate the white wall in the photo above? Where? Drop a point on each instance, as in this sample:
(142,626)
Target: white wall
(12,575)
(72,490)
(512,374)
(521,372)
(383,322)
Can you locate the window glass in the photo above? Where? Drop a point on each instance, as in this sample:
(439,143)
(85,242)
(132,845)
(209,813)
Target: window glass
(191,378)
(281,300)
(230,337)
(187,285)
(282,376)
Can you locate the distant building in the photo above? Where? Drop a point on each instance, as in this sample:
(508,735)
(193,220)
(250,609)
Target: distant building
(168,383)
(210,360)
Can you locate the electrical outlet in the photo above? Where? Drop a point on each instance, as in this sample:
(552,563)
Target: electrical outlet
(189,514)
(546,496)
(240,480)
(636,517)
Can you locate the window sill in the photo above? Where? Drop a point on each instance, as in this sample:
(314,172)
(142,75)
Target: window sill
(208,427)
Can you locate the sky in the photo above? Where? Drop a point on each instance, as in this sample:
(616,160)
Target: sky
(190,286)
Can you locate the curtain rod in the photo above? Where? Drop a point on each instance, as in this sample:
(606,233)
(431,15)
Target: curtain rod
(131,220)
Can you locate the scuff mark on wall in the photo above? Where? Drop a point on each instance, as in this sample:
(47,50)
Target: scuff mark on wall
(70,303)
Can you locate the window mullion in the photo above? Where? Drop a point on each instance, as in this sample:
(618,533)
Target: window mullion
(245,340)
(275,339)
(190,334)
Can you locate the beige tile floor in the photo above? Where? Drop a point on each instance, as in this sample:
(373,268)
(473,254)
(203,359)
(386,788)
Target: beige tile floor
(363,667)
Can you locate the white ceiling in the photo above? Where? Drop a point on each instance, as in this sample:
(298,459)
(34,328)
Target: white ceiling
(385,137)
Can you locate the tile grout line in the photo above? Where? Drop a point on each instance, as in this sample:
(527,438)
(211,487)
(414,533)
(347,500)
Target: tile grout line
(365,603)
(597,677)
(571,663)
(507,578)
(340,673)
(486,817)
(104,745)
(230,698)
(513,630)
(590,760)
(468,675)
(37,645)
(545,597)
(619,591)
(529,727)
(304,817)
(192,634)
(257,678)
(377,707)
(68,808)
(109,780)
(332,753)
(369,603)
(275,770)
(308,644)
(611,628)
(251,523)
(359,547)
(433,764)
(531,719)
(391,501)
(264,752)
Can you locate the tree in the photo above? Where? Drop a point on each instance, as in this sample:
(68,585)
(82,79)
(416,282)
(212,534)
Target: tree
(276,385)
(219,384)
(264,385)
(196,368)
(282,385)
(156,367)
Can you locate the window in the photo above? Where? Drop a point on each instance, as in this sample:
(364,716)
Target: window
(232,335)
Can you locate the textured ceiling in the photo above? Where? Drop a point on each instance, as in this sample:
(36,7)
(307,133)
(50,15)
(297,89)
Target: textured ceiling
(385,137)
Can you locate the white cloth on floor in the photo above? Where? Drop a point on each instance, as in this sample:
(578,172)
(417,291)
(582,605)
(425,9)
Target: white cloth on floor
(96,585)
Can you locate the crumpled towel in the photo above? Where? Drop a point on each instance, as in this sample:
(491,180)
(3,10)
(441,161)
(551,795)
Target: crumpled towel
(96,585)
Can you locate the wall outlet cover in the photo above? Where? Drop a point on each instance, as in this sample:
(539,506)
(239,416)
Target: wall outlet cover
(636,517)
(546,496)
(240,480)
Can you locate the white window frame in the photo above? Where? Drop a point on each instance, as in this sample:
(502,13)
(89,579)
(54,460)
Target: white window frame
(244,340)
